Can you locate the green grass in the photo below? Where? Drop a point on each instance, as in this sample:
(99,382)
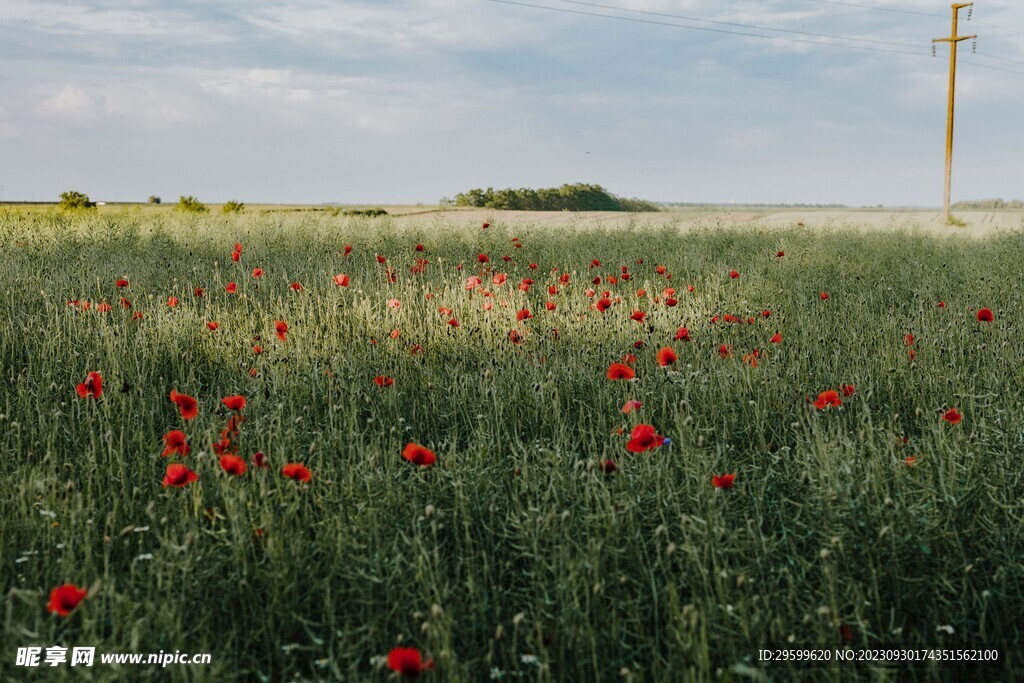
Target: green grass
(514,543)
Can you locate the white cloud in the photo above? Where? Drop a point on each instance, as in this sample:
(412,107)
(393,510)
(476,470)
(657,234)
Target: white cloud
(748,140)
(71,102)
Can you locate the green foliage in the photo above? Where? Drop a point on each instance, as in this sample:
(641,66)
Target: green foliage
(153,199)
(371,213)
(191,205)
(233,207)
(71,200)
(514,543)
(578,197)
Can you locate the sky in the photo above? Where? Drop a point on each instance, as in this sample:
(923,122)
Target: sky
(408,101)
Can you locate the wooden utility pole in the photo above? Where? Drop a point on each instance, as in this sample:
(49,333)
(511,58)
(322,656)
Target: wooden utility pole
(952,40)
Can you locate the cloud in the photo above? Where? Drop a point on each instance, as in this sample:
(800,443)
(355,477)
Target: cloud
(748,140)
(73,103)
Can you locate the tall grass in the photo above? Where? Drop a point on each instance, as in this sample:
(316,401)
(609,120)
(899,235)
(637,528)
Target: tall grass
(514,557)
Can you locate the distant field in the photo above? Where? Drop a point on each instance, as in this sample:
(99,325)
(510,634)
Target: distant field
(868,517)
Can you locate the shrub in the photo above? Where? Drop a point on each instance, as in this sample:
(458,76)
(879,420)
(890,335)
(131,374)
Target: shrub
(153,199)
(75,200)
(191,204)
(233,207)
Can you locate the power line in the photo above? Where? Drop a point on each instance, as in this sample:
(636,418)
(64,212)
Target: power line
(708,29)
(876,8)
(732,23)
(1002,59)
(909,11)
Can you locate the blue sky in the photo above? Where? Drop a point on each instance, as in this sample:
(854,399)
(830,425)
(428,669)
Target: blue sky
(407,101)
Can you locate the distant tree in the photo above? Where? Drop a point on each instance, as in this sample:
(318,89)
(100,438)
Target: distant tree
(191,205)
(578,197)
(75,200)
(233,207)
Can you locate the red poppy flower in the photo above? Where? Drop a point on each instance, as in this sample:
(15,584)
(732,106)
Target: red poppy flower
(603,304)
(235,403)
(515,337)
(638,316)
(341,279)
(620,371)
(64,599)
(125,303)
(92,387)
(723,481)
(682,334)
(524,314)
(644,438)
(485,226)
(776,338)
(236,256)
(188,405)
(608,466)
(780,254)
(297,471)
(453,322)
(725,351)
(231,288)
(941,304)
(223,447)
(827,399)
(482,258)
(172,301)
(383,381)
(213,326)
(121,283)
(346,251)
(295,287)
(415,350)
(985,315)
(257,273)
(418,455)
(824,296)
(199,292)
(952,416)
(550,305)
(631,405)
(667,356)
(418,247)
(233,464)
(178,476)
(137,315)
(280,329)
(407,660)
(908,339)
(260,460)
(175,442)
(733,274)
(848,390)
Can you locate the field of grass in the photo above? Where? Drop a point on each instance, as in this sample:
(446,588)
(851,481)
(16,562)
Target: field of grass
(517,555)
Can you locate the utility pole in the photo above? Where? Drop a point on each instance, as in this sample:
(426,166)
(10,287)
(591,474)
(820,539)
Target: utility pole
(952,40)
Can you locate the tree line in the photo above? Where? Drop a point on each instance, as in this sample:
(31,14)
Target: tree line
(990,204)
(577,197)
